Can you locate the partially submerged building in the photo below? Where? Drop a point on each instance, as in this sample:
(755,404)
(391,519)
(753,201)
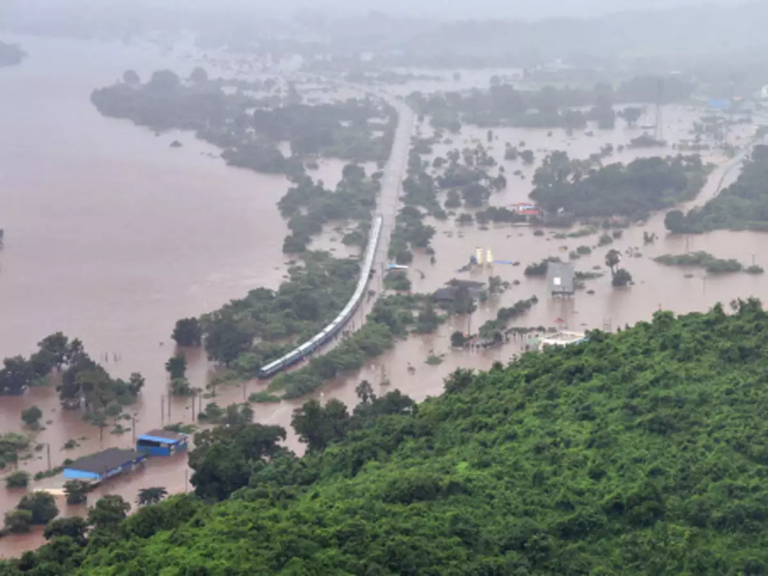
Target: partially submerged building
(102,465)
(161,443)
(447,295)
(560,277)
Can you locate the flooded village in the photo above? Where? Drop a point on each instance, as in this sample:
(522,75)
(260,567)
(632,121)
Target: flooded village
(111,235)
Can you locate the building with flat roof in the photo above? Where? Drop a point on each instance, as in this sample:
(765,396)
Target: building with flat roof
(102,465)
(562,338)
(161,443)
(560,278)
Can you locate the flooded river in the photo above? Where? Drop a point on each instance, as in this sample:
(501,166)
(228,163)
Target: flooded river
(111,236)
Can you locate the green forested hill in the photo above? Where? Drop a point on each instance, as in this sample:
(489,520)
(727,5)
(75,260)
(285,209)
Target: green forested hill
(644,452)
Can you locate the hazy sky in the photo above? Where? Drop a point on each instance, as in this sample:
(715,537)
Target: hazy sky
(481,9)
(450,9)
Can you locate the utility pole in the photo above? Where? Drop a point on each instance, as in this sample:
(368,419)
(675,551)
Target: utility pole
(48,446)
(169,407)
(162,409)
(469,325)
(133,428)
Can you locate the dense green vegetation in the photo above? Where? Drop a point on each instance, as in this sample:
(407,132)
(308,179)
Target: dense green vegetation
(188,332)
(308,207)
(397,280)
(701,260)
(741,206)
(264,325)
(642,452)
(633,190)
(84,383)
(10,54)
(495,330)
(357,130)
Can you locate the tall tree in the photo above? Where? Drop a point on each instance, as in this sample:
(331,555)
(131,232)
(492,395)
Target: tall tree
(42,506)
(108,512)
(364,392)
(612,259)
(188,332)
(76,491)
(74,528)
(177,366)
(31,417)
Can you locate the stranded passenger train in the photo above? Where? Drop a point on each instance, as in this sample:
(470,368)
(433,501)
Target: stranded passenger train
(341,320)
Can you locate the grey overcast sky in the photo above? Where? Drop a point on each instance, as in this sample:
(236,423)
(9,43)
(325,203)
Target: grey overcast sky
(503,9)
(447,9)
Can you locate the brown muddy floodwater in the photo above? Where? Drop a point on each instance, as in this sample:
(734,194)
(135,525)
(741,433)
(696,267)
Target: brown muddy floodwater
(656,286)
(111,236)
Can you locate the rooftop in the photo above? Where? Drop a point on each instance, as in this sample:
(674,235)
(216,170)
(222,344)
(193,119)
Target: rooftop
(165,434)
(563,337)
(105,461)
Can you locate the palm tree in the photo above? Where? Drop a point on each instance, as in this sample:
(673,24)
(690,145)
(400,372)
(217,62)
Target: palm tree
(151,496)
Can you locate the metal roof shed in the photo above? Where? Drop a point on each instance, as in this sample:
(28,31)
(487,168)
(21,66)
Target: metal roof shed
(103,465)
(161,443)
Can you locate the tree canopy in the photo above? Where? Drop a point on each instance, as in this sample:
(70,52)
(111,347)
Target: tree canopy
(642,452)
(631,190)
(741,206)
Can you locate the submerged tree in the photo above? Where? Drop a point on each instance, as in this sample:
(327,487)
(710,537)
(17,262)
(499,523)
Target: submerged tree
(152,495)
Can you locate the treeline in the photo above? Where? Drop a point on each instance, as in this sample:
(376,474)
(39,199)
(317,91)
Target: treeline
(356,130)
(640,452)
(464,176)
(495,330)
(308,206)
(549,107)
(707,261)
(249,332)
(419,191)
(633,190)
(83,382)
(741,206)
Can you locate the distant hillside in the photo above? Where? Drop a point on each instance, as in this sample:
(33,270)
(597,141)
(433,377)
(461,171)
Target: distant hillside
(644,452)
(10,54)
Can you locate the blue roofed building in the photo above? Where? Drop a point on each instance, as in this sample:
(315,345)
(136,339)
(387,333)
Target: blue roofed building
(161,443)
(102,465)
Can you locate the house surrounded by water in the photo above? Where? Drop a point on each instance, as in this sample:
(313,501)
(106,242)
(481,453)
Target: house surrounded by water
(560,278)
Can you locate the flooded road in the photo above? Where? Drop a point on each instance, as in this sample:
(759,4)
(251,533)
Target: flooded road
(111,236)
